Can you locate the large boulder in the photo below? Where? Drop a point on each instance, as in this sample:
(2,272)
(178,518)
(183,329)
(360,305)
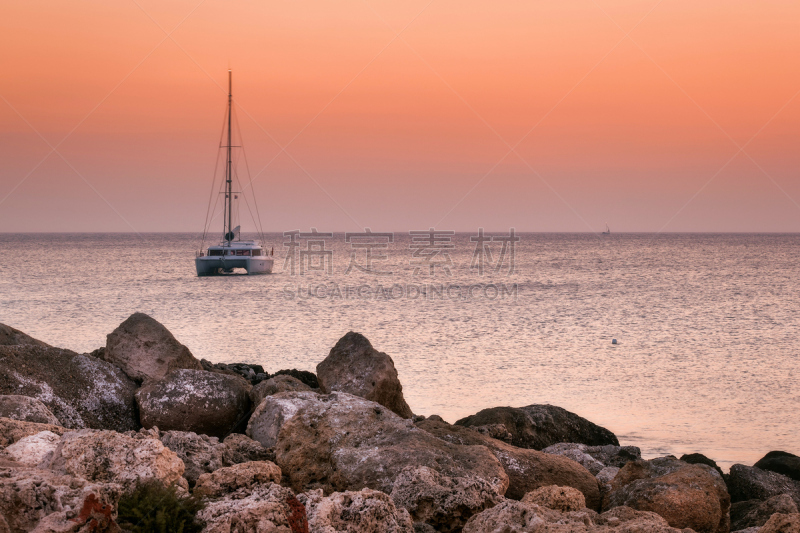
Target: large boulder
(784,463)
(146,350)
(267,508)
(268,418)
(110,457)
(755,513)
(27,409)
(687,496)
(80,390)
(512,516)
(32,450)
(30,497)
(276,384)
(527,469)
(355,367)
(540,426)
(365,510)
(12,337)
(340,442)
(751,483)
(12,431)
(194,400)
(229,479)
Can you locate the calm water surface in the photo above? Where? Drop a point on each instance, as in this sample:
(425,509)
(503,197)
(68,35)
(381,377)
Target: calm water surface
(707,359)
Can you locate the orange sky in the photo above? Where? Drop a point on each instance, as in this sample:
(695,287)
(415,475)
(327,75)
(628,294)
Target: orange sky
(634,131)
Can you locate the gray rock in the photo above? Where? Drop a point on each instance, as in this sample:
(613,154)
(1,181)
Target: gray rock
(443,501)
(27,409)
(266,508)
(755,513)
(540,426)
(194,400)
(784,463)
(145,350)
(81,391)
(276,384)
(751,483)
(200,453)
(576,452)
(237,448)
(352,511)
(605,478)
(11,337)
(270,416)
(596,458)
(355,367)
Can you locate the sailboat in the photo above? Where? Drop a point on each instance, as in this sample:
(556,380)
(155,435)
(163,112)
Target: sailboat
(607,231)
(231,252)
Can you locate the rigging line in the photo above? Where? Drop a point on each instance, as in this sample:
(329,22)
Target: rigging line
(213,181)
(247,167)
(239,182)
(235,167)
(247,203)
(243,155)
(255,202)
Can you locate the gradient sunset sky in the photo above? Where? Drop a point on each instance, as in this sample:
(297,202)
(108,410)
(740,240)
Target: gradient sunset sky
(552,115)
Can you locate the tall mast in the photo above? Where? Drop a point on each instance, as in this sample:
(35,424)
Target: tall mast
(228,172)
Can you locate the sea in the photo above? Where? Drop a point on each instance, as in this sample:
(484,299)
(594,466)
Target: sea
(678,343)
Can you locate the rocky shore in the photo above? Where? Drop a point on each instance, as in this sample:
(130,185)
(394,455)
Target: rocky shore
(139,435)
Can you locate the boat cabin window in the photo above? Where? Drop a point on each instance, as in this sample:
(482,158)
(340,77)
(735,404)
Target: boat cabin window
(215,252)
(242,252)
(258,252)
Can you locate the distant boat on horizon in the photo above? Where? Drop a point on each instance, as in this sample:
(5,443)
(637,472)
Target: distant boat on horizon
(231,252)
(607,231)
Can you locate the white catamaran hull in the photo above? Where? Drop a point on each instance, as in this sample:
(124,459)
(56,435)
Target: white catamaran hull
(214,265)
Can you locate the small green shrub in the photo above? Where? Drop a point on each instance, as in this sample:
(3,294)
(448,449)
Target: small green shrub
(154,508)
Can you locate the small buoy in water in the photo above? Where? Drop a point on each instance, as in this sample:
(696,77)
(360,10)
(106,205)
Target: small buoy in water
(613,341)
